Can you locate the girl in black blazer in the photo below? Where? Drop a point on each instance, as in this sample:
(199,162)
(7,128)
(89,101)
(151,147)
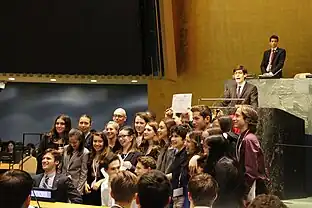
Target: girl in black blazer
(128,152)
(95,176)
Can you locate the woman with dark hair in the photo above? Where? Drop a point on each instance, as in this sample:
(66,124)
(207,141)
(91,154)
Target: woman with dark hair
(31,149)
(128,152)
(220,165)
(166,155)
(140,121)
(193,145)
(57,138)
(149,145)
(10,147)
(95,177)
(226,125)
(75,159)
(178,171)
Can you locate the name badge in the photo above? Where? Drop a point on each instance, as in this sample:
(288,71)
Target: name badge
(178,192)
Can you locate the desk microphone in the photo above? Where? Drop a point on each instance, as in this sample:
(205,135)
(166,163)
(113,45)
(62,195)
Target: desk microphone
(36,199)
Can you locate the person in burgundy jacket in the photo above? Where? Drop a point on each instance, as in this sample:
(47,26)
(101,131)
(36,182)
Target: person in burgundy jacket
(249,153)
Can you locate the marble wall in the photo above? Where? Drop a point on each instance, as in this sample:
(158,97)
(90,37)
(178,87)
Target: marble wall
(291,95)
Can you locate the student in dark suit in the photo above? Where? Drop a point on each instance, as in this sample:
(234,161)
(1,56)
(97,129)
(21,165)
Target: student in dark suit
(50,179)
(84,125)
(273,59)
(241,89)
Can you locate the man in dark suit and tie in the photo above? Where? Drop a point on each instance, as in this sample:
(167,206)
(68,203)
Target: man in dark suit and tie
(240,89)
(50,179)
(273,59)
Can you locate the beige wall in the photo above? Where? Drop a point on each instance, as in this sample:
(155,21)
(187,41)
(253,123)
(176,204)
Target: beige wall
(213,36)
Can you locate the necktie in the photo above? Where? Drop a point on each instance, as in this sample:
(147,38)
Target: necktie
(238,91)
(46,182)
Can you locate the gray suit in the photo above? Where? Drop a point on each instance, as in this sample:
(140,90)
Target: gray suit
(76,167)
(65,190)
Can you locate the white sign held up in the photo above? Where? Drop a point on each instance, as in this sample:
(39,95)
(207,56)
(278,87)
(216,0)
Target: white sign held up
(181,103)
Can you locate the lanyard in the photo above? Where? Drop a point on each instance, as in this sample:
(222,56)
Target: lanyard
(95,166)
(125,156)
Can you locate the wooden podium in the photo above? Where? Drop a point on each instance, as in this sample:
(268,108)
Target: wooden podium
(28,164)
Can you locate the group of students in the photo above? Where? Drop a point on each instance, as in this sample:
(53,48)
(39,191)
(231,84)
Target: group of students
(80,163)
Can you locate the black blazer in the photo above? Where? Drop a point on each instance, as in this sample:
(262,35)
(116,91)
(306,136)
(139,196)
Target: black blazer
(179,167)
(65,190)
(277,63)
(88,140)
(249,93)
(46,143)
(133,158)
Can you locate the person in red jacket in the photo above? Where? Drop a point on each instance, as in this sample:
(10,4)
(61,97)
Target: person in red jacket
(249,153)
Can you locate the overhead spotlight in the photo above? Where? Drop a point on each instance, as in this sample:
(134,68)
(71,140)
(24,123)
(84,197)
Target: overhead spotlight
(134,81)
(11,78)
(53,80)
(93,80)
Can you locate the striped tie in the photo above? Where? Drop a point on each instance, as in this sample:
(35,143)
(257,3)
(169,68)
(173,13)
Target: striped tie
(46,182)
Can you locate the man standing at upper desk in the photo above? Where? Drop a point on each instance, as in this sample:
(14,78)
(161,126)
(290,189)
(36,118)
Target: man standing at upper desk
(240,89)
(273,59)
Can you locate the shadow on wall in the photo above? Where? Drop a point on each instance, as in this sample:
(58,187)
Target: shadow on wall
(28,107)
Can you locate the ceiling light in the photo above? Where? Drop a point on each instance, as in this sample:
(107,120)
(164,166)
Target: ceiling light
(134,81)
(11,78)
(93,80)
(53,80)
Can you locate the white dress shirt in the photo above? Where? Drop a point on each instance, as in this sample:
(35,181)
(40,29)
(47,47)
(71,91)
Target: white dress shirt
(268,69)
(51,177)
(241,85)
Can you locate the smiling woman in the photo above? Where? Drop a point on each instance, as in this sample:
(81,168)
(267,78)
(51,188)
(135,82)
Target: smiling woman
(56,139)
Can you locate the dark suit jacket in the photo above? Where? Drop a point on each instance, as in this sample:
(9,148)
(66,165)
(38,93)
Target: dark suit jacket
(277,63)
(65,190)
(133,158)
(249,93)
(88,140)
(179,167)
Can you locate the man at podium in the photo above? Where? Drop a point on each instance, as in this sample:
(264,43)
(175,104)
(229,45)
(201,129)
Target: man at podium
(244,92)
(273,59)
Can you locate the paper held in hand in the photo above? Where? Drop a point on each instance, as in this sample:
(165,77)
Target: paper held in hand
(181,103)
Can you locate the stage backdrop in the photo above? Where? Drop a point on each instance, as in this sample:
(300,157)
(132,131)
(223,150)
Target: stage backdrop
(33,107)
(71,37)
